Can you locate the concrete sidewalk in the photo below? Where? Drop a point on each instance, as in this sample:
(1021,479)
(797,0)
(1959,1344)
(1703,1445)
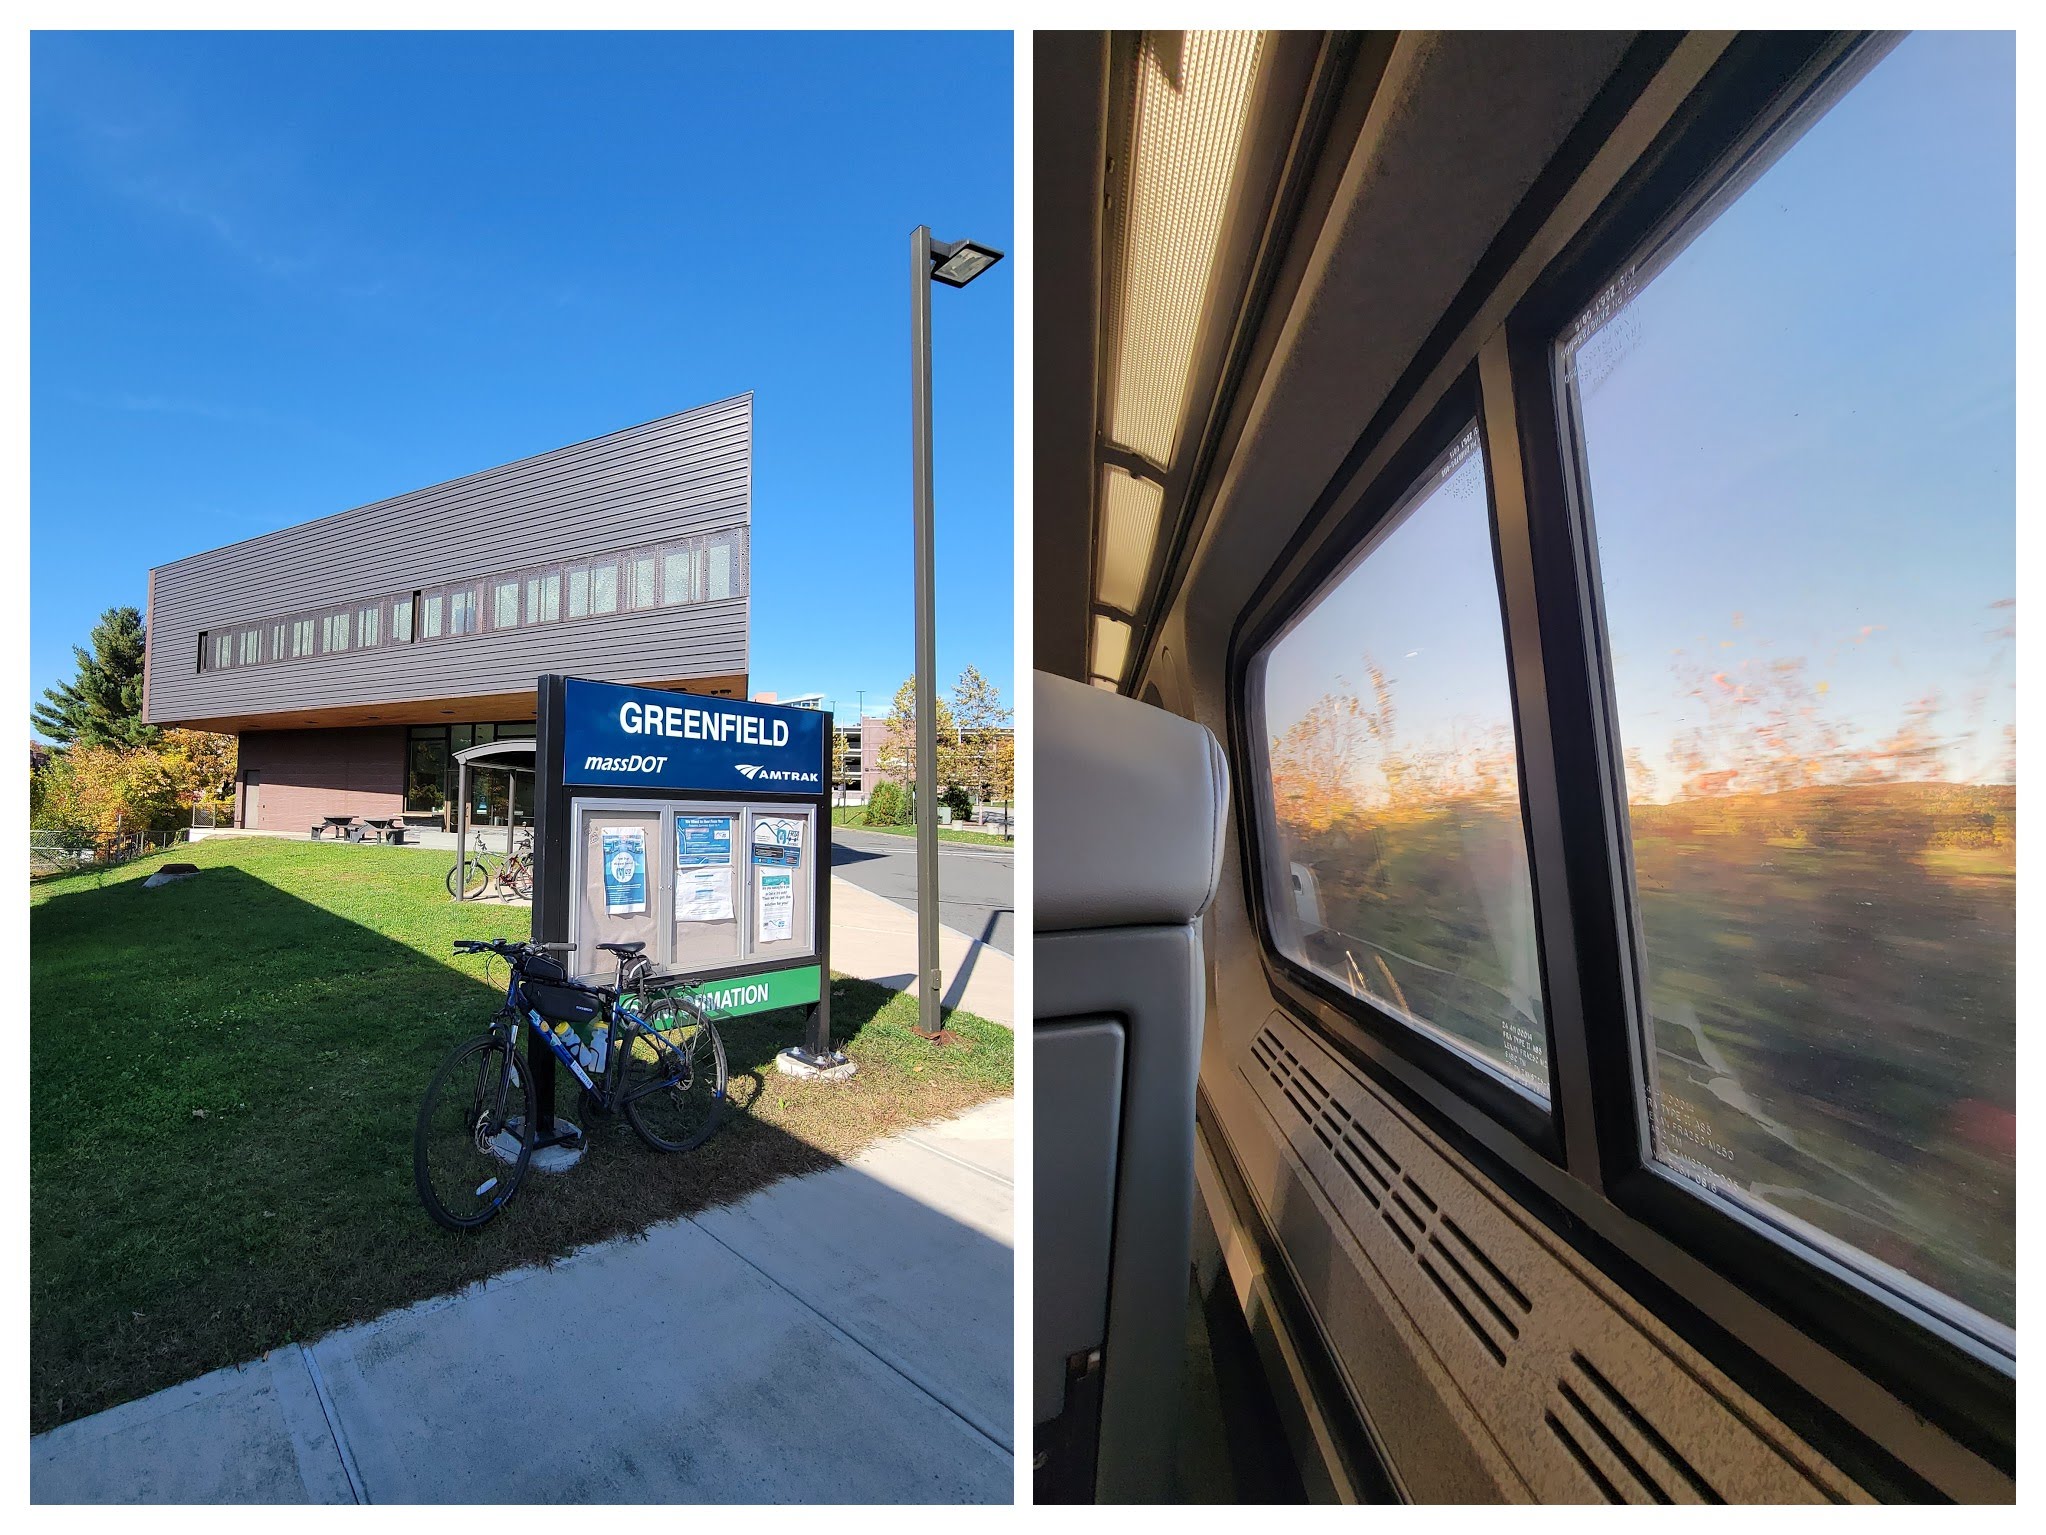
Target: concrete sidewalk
(842,1337)
(873,938)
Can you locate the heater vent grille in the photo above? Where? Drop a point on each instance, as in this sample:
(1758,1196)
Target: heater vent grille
(1602,1429)
(1588,1397)
(1468,1280)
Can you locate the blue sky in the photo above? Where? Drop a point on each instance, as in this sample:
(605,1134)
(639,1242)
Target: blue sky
(277,276)
(1802,429)
(1424,606)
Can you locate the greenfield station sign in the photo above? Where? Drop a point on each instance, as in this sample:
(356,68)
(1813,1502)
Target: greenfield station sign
(699,827)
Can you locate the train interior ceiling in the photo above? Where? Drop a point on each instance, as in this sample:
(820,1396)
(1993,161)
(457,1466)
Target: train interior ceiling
(1339,338)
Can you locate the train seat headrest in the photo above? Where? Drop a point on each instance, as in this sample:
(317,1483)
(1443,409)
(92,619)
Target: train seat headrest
(1129,810)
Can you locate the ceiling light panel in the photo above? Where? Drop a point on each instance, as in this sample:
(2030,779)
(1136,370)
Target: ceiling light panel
(1187,123)
(1129,529)
(1111,645)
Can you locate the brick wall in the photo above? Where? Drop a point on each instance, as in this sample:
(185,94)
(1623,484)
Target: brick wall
(876,742)
(307,774)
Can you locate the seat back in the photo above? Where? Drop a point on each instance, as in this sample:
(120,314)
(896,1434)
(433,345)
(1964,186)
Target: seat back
(1132,805)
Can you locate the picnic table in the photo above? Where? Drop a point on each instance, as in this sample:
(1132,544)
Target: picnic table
(351,828)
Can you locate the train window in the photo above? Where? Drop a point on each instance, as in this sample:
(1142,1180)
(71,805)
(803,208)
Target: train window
(1796,442)
(1398,858)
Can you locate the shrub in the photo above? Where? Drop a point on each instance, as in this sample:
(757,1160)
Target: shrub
(887,805)
(959,802)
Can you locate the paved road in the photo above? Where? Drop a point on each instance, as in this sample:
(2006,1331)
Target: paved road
(976,885)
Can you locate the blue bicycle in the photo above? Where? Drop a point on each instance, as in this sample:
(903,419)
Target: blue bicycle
(647,1047)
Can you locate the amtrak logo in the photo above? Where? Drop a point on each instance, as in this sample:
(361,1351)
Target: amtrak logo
(753,770)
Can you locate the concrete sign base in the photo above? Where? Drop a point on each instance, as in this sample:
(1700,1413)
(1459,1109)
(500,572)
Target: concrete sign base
(797,1062)
(548,1159)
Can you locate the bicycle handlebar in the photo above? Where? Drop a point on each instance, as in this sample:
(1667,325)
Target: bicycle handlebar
(509,948)
(514,950)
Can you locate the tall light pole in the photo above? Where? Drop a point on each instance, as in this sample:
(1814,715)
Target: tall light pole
(954,264)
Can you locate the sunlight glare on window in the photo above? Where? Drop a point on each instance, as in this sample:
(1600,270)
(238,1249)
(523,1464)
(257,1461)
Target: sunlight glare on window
(1798,448)
(1400,872)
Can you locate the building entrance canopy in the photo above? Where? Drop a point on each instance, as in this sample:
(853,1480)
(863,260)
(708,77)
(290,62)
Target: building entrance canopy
(508,757)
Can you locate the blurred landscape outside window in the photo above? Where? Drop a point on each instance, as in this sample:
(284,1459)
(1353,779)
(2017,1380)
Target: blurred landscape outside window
(1798,444)
(1402,871)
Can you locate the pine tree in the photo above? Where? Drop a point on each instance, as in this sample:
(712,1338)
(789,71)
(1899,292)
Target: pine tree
(102,705)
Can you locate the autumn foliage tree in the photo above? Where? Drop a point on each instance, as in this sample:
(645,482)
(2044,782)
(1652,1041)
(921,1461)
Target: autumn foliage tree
(986,758)
(1344,759)
(103,790)
(901,764)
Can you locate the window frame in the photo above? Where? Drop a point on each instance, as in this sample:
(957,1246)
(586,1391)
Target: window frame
(600,567)
(501,587)
(402,618)
(640,580)
(415,735)
(541,585)
(464,600)
(724,543)
(1931,1359)
(668,556)
(1353,1022)
(1734,1286)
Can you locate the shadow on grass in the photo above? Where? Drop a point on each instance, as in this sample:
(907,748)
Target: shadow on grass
(225,1076)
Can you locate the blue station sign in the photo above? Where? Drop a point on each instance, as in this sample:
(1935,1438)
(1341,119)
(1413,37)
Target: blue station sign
(644,738)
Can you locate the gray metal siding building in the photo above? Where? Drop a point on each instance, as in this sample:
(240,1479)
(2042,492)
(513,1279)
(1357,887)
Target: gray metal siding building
(624,558)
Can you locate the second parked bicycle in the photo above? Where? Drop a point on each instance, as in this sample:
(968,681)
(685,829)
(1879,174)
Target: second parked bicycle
(511,873)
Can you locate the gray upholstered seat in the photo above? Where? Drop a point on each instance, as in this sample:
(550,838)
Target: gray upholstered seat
(1131,803)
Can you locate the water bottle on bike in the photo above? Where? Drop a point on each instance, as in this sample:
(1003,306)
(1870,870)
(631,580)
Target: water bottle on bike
(582,1047)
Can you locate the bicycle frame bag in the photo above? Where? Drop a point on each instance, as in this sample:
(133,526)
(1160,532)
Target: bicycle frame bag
(556,1003)
(539,967)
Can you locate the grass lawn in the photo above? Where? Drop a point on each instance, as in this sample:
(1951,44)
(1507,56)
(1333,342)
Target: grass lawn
(855,816)
(225,1074)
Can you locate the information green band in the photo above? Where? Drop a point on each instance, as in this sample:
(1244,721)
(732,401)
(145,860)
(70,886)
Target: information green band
(733,996)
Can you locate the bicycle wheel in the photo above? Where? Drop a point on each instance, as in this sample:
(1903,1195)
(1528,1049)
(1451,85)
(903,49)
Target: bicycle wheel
(470,1147)
(673,1081)
(471,878)
(519,875)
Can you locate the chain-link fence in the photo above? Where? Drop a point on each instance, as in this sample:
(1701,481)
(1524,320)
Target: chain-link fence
(61,852)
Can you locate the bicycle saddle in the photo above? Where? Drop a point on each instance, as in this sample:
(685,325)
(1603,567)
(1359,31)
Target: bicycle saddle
(626,950)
